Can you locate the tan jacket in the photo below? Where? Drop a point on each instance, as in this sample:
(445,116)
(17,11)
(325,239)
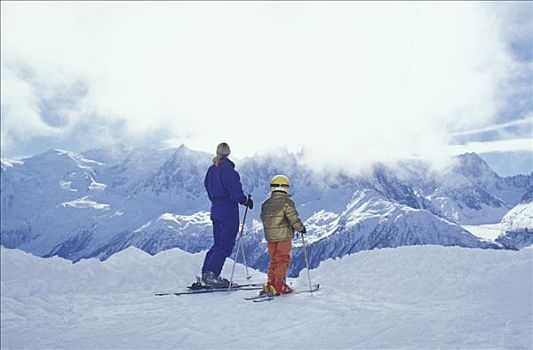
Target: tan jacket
(280,217)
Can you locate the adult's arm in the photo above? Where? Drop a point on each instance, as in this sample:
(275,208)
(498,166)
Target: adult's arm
(205,185)
(232,182)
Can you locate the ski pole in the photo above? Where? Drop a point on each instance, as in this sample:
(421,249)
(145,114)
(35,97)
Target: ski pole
(307,265)
(238,246)
(245,263)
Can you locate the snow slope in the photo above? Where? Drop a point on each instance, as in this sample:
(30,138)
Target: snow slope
(517,227)
(417,297)
(487,231)
(519,218)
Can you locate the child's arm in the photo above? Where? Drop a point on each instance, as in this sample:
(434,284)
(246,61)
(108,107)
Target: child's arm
(292,216)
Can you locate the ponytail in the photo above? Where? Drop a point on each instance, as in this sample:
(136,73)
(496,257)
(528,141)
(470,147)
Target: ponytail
(222,150)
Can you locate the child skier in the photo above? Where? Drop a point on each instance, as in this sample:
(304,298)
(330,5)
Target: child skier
(280,220)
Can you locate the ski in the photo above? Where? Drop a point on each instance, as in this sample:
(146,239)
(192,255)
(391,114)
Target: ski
(255,297)
(266,297)
(250,286)
(235,285)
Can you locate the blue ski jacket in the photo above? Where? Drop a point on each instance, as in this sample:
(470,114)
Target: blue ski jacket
(224,189)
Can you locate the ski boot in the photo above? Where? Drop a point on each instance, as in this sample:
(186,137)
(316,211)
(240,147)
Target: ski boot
(268,289)
(209,280)
(280,287)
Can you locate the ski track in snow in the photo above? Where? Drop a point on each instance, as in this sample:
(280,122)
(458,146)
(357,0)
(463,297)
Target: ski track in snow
(410,298)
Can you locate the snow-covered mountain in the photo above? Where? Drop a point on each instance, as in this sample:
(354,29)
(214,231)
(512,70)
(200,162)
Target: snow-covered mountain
(191,233)
(41,195)
(123,167)
(508,190)
(528,196)
(372,221)
(420,297)
(97,203)
(468,192)
(178,180)
(517,228)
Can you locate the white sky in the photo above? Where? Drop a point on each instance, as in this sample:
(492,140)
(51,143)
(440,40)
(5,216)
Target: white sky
(347,82)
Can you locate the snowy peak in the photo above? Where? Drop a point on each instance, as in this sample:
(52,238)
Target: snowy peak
(366,204)
(68,171)
(182,174)
(63,158)
(256,172)
(126,167)
(472,165)
(509,189)
(387,183)
(185,152)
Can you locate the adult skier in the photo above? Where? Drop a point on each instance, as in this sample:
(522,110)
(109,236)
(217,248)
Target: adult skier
(280,220)
(224,190)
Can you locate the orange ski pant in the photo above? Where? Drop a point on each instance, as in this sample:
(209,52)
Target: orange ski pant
(280,257)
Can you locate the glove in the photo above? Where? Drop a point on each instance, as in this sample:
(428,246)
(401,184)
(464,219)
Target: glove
(304,230)
(249,203)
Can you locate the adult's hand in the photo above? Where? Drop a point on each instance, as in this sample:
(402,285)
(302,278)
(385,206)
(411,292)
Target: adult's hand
(249,203)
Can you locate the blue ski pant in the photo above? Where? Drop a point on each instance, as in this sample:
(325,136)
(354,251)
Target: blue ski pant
(224,234)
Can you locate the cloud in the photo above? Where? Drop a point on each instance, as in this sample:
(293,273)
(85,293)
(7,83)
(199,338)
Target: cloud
(38,104)
(500,146)
(518,28)
(21,115)
(346,82)
(527,122)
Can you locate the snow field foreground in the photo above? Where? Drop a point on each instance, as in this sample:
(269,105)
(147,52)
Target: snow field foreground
(408,297)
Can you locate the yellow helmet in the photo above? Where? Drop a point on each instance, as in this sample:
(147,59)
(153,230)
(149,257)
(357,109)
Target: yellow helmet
(280,183)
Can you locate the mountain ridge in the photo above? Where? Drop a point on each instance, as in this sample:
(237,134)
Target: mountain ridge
(82,205)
